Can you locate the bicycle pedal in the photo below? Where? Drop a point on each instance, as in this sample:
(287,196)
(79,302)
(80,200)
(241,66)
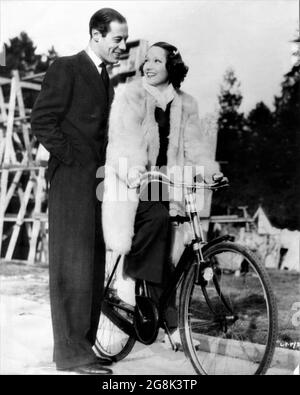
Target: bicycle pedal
(115,300)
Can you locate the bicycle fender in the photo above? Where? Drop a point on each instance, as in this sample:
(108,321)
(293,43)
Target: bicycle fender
(218,240)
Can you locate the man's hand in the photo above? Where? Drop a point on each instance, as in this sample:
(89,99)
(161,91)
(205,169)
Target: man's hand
(134,176)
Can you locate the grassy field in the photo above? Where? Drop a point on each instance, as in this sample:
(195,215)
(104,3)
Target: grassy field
(287,291)
(31,283)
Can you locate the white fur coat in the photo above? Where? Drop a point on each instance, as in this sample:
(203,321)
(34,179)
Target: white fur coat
(133,140)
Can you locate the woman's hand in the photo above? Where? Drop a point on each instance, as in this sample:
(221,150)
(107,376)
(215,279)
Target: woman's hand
(134,176)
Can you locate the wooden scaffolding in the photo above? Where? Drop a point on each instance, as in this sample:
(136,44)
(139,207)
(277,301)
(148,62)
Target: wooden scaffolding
(23,207)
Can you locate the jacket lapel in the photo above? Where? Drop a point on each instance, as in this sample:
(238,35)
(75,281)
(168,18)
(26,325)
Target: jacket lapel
(152,132)
(151,128)
(111,94)
(175,129)
(91,75)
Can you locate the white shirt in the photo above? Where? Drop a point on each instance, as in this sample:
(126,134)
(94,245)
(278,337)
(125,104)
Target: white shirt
(95,59)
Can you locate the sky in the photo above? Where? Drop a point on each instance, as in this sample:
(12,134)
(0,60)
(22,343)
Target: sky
(251,36)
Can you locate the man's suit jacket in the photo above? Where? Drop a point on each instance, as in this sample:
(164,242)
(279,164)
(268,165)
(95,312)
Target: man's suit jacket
(70,119)
(70,114)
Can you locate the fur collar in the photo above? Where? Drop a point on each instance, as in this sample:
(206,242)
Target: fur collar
(150,127)
(162,97)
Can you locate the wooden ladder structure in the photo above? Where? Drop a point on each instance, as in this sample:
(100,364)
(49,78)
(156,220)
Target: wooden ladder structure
(22,177)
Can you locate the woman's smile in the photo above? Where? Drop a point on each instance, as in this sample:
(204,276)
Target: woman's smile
(155,67)
(150,74)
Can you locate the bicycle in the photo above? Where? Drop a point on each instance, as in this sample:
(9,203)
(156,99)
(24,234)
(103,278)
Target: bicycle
(234,317)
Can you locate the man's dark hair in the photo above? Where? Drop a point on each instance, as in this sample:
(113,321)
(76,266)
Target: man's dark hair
(176,68)
(102,18)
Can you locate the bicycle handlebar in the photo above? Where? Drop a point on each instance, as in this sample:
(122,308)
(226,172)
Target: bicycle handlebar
(164,179)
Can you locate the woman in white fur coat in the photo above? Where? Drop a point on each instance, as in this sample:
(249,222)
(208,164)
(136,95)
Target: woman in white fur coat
(152,123)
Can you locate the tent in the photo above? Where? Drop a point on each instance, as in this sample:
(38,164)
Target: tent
(278,240)
(263,223)
(290,240)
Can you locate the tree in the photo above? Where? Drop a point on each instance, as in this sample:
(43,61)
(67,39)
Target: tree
(285,177)
(278,149)
(21,55)
(230,122)
(45,60)
(231,125)
(261,154)
(258,153)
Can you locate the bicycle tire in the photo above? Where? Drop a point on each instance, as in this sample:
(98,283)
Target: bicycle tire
(111,340)
(203,313)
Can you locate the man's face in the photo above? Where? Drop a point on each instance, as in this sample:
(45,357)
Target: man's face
(110,47)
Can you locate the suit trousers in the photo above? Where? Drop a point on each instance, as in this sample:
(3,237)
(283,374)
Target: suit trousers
(149,257)
(76,264)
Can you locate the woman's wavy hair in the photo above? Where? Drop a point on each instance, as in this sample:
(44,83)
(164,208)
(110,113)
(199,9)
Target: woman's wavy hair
(176,68)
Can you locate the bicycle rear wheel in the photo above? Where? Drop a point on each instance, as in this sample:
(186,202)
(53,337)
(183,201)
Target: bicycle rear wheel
(111,339)
(233,316)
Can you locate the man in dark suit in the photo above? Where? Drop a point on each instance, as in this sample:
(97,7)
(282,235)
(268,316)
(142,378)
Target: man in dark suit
(70,119)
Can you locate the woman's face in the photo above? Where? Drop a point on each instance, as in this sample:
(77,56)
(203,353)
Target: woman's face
(155,66)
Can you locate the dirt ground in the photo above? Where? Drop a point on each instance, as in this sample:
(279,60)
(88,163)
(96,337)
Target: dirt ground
(25,291)
(31,283)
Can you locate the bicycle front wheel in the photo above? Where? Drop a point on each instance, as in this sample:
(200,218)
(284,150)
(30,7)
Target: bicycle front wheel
(229,325)
(111,340)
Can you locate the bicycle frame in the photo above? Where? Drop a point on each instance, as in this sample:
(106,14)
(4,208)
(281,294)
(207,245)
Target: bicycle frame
(192,254)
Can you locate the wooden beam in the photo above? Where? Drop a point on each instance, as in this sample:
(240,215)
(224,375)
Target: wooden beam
(3,110)
(13,185)
(231,221)
(21,119)
(33,76)
(19,221)
(19,167)
(25,126)
(36,226)
(3,186)
(9,154)
(4,81)
(2,145)
(39,218)
(30,85)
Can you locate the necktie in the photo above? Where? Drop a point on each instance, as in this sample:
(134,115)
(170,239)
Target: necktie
(104,75)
